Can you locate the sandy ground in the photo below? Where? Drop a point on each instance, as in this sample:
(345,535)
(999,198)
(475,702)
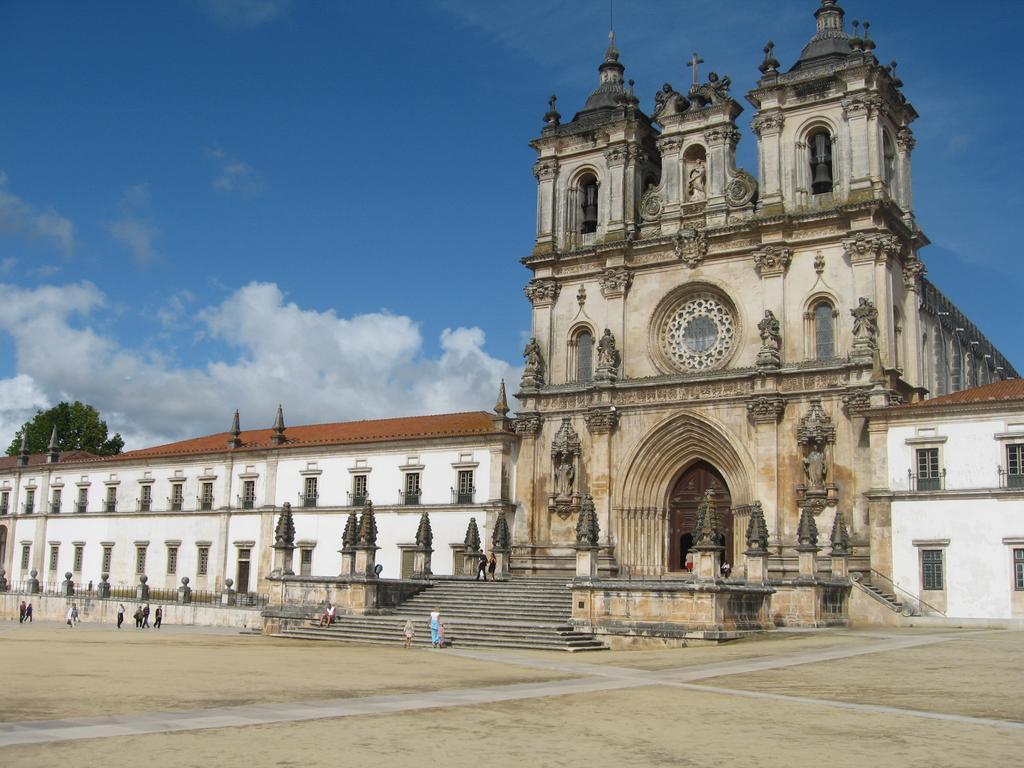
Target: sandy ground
(978,674)
(50,671)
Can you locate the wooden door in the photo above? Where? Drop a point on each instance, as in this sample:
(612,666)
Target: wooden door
(683,502)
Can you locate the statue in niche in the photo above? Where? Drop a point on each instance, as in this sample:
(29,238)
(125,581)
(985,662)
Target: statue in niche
(696,180)
(865,323)
(814,467)
(669,101)
(565,478)
(533,371)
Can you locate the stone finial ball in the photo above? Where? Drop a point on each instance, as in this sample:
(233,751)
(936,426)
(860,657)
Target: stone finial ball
(33,573)
(184,581)
(67,575)
(229,583)
(104,576)
(143,578)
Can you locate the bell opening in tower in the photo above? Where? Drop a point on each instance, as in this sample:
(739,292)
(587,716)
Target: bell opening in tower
(821,163)
(588,190)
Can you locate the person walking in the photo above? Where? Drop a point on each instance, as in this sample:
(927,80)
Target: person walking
(70,617)
(435,626)
(481,568)
(21,612)
(74,614)
(145,617)
(28,613)
(440,635)
(138,617)
(120,615)
(492,565)
(159,618)
(408,632)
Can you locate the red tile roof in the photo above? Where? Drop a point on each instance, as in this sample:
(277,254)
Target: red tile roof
(34,459)
(341,433)
(1000,391)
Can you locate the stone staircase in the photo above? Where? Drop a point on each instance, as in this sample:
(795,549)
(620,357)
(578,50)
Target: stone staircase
(530,613)
(889,599)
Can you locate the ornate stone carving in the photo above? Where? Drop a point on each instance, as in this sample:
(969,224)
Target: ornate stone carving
(527,424)
(699,333)
(757,531)
(424,533)
(815,431)
(542,291)
(708,536)
(565,451)
(690,246)
(544,170)
(615,281)
(871,247)
(533,371)
(351,532)
(588,532)
(669,144)
(766,408)
(819,262)
(602,420)
(906,141)
(608,359)
(714,91)
(770,122)
(581,296)
(840,538)
(367,535)
(284,532)
(669,101)
(862,105)
(865,330)
(913,271)
(770,354)
(807,530)
(472,540)
(722,135)
(501,538)
(616,155)
(741,189)
(772,259)
(651,204)
(856,402)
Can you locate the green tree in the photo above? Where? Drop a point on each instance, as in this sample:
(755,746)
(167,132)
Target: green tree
(79,428)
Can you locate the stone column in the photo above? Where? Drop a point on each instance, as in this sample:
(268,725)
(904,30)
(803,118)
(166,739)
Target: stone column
(228,595)
(721,159)
(855,110)
(905,143)
(588,535)
(348,545)
(67,588)
(672,177)
(284,542)
(424,548)
(546,172)
(840,539)
(366,545)
(765,411)
(528,427)
(184,592)
(601,423)
(613,192)
(501,542)
(913,271)
(708,548)
(142,590)
(768,128)
(756,555)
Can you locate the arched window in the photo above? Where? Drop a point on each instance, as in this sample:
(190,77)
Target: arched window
(888,159)
(584,356)
(819,145)
(824,331)
(588,205)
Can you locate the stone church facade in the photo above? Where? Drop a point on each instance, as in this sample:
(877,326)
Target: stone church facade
(696,325)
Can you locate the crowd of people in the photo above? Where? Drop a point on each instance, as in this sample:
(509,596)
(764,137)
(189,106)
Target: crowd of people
(73,617)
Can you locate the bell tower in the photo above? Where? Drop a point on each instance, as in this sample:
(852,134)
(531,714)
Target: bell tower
(835,128)
(592,170)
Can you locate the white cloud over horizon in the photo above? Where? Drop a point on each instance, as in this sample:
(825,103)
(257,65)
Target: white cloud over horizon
(320,366)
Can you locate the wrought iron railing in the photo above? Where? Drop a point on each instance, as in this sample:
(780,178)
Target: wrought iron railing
(463,497)
(927,482)
(357,499)
(246,503)
(1009,479)
(308,499)
(409,498)
(913,605)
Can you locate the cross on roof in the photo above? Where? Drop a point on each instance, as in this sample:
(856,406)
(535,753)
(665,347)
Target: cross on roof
(694,62)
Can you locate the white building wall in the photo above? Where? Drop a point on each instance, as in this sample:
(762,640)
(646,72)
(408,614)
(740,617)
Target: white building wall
(979,576)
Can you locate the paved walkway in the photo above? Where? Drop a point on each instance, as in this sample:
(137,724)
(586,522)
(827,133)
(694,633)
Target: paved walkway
(590,678)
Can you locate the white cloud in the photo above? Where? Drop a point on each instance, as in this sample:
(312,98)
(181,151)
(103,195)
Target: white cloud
(245,13)
(20,398)
(22,219)
(235,176)
(320,366)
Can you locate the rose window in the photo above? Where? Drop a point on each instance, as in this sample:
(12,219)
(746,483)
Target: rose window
(699,333)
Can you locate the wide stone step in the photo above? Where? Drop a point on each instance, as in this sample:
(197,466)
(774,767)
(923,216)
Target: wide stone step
(455,638)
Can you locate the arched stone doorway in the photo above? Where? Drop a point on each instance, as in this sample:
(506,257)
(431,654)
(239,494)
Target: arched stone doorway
(686,494)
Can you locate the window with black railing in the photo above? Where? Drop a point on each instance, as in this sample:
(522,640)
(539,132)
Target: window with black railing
(206,496)
(310,495)
(929,476)
(249,494)
(30,501)
(411,493)
(146,498)
(463,493)
(110,504)
(55,502)
(5,502)
(358,496)
(82,503)
(177,500)
(1013,476)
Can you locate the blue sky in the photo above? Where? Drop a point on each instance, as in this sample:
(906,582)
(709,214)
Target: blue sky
(210,204)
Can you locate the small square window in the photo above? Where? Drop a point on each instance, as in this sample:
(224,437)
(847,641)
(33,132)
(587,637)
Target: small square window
(203,566)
